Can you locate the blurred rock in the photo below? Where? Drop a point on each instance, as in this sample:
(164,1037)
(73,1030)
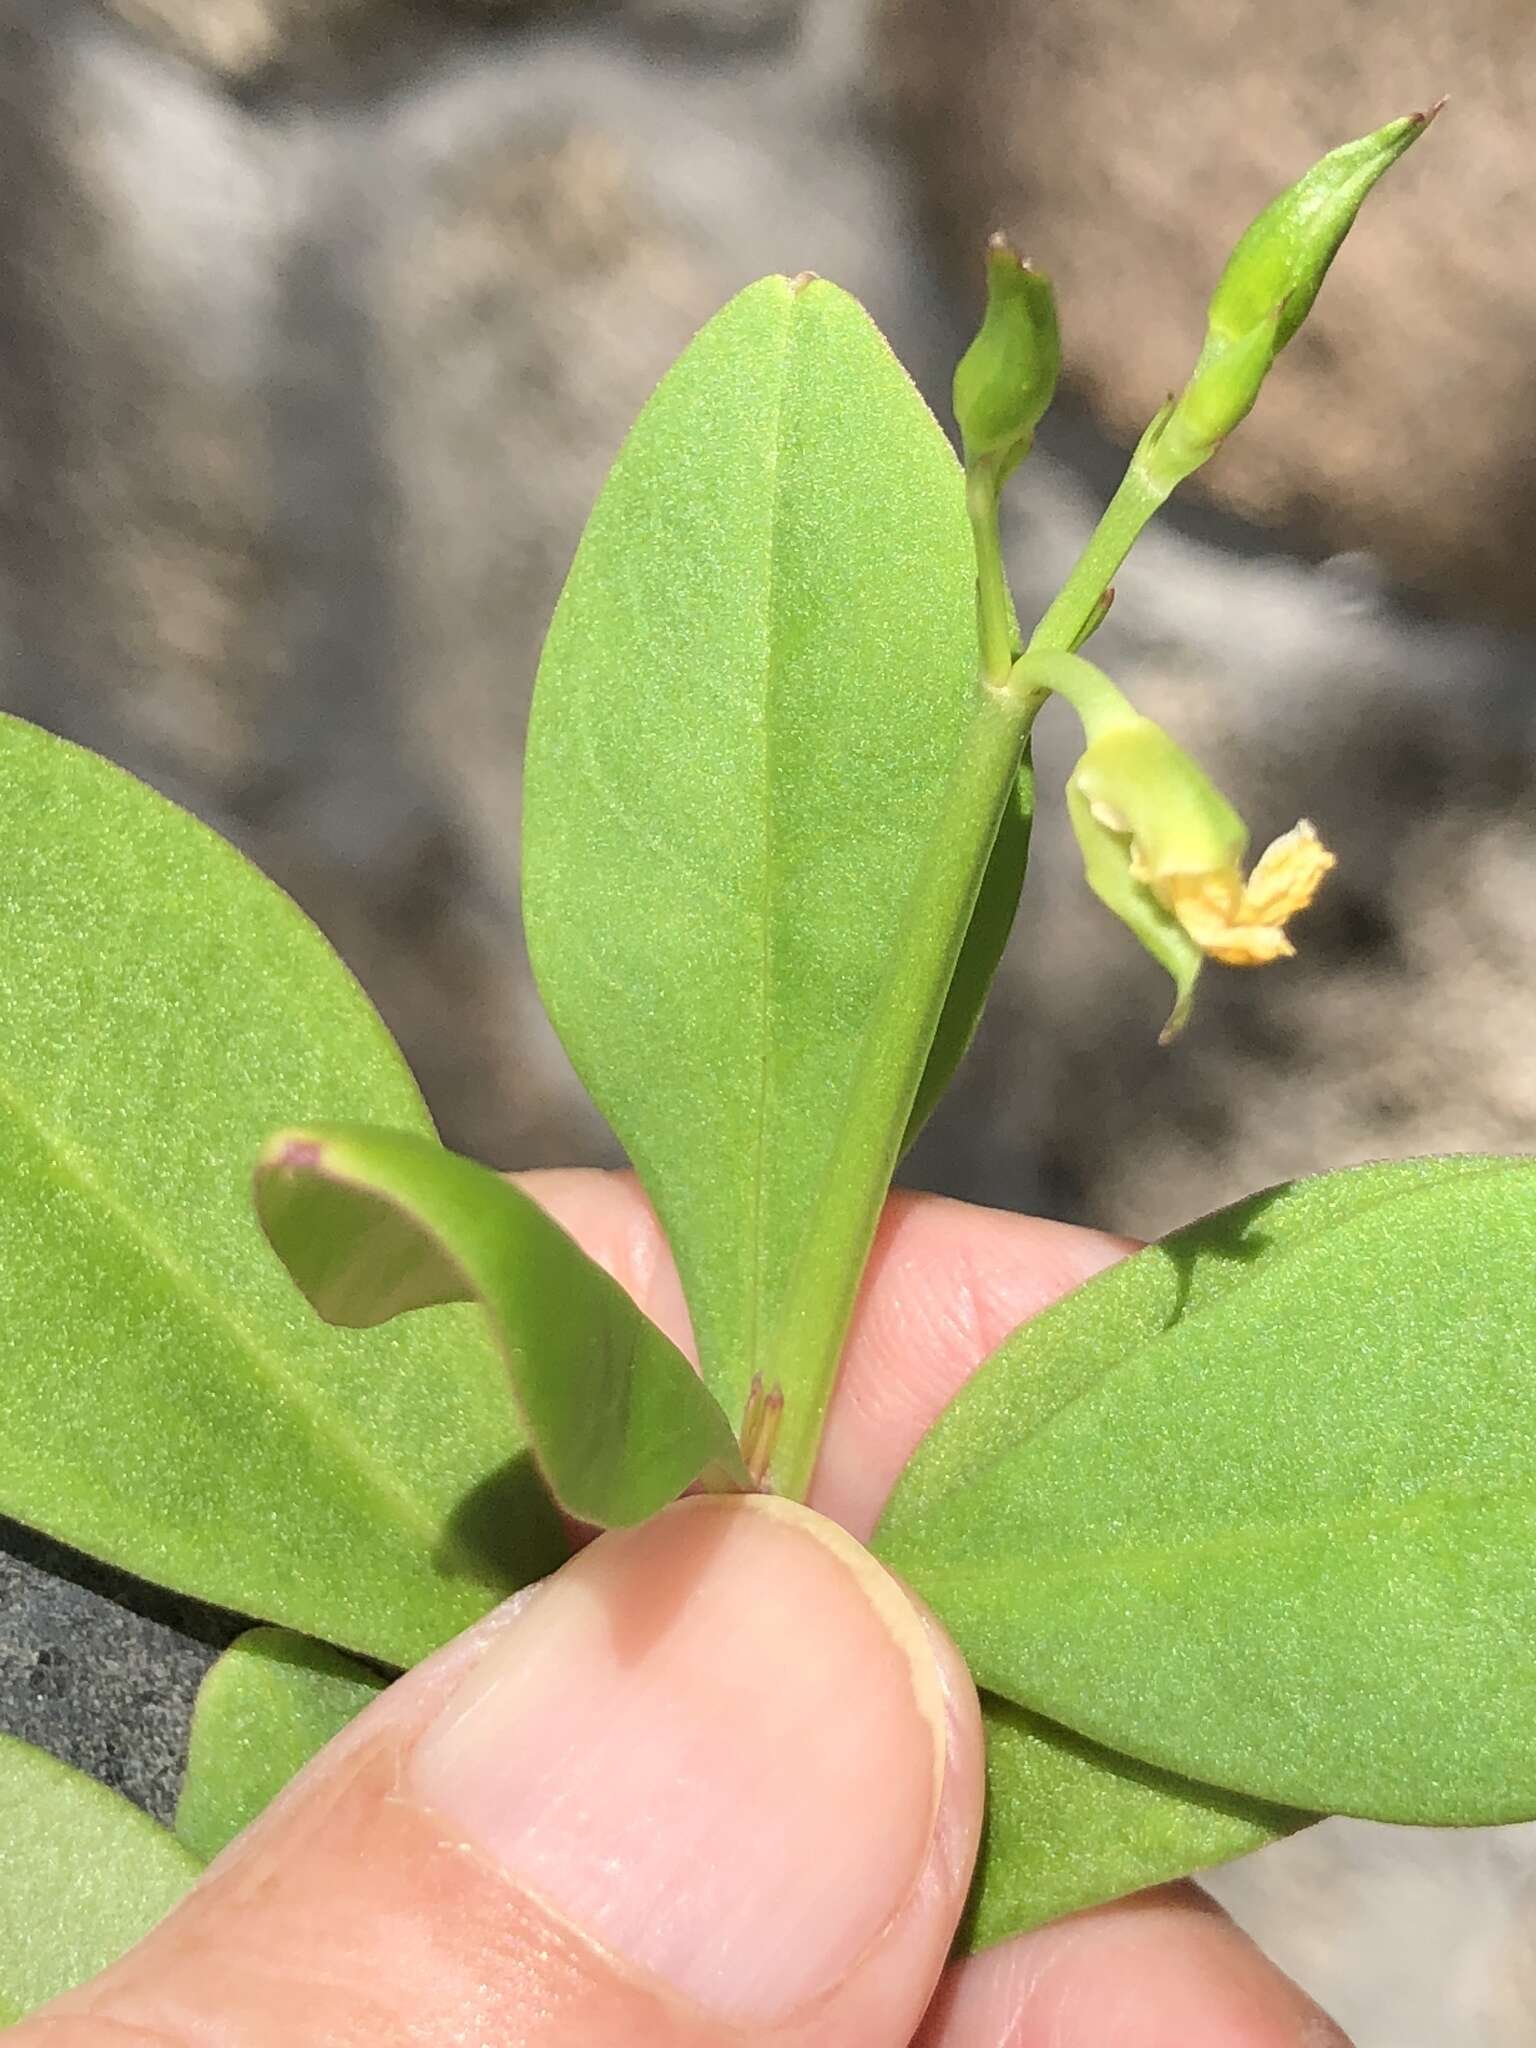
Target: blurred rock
(1323,1901)
(138,572)
(738,23)
(193,504)
(1126,148)
(342,46)
(248,42)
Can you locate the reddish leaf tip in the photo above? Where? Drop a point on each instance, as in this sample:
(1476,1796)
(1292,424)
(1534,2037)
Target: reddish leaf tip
(293,1154)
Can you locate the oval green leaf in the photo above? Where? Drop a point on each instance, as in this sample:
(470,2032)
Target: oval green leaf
(83,1874)
(374,1223)
(755,682)
(170,1403)
(270,1703)
(1259,1506)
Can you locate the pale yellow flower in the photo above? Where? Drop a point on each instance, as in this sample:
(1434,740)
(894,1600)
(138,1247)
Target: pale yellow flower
(1164,849)
(1240,923)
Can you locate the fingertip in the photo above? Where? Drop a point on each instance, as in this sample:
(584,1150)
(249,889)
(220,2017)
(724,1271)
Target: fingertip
(719,1780)
(1166,1969)
(945,1284)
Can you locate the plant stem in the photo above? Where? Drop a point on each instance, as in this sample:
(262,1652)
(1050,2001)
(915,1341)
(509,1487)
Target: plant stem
(819,1299)
(994,612)
(1063,629)
(818,1302)
(1095,699)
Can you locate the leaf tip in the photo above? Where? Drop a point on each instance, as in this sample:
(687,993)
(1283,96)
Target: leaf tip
(291,1152)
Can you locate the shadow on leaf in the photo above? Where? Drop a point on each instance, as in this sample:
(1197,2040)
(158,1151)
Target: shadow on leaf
(1229,1235)
(507,1526)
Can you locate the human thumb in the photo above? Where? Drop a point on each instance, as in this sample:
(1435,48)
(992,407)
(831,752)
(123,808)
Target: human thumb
(718,1781)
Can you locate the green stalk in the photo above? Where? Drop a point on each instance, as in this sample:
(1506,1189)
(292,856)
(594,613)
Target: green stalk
(818,1302)
(994,612)
(1066,625)
(1097,702)
(1002,386)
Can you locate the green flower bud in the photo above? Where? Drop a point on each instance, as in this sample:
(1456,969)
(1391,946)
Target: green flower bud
(1265,293)
(1217,397)
(1007,377)
(1284,256)
(1162,848)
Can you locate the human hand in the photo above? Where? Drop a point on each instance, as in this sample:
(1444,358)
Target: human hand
(717,1782)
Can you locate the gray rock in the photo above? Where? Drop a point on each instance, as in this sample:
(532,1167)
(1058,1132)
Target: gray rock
(342,47)
(1411,1939)
(199,577)
(739,24)
(246,43)
(99,1668)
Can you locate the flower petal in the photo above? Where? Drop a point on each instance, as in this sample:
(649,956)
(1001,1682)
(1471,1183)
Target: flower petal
(1287,875)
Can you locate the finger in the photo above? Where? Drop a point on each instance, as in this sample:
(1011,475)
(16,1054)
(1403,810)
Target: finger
(945,1284)
(717,1784)
(1165,1970)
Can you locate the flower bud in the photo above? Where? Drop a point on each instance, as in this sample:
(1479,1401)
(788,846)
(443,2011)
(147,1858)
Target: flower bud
(1162,848)
(1218,396)
(1284,256)
(1007,377)
(1265,293)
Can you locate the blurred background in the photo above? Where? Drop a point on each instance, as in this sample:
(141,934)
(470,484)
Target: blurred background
(320,323)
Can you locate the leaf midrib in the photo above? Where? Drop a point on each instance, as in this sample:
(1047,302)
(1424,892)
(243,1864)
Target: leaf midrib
(1141,1347)
(1254,1537)
(405,1508)
(771,661)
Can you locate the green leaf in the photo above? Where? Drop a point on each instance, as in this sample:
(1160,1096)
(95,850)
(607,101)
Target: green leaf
(1069,1825)
(83,1874)
(269,1704)
(373,1223)
(170,1403)
(1259,1507)
(754,686)
(1049,1361)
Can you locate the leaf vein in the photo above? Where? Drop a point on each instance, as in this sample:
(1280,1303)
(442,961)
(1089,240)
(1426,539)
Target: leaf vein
(1151,1557)
(324,1422)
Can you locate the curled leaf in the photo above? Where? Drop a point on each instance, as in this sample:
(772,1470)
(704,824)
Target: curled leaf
(372,1224)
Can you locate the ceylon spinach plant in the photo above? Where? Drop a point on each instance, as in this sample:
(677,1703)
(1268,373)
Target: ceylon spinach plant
(1237,1535)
